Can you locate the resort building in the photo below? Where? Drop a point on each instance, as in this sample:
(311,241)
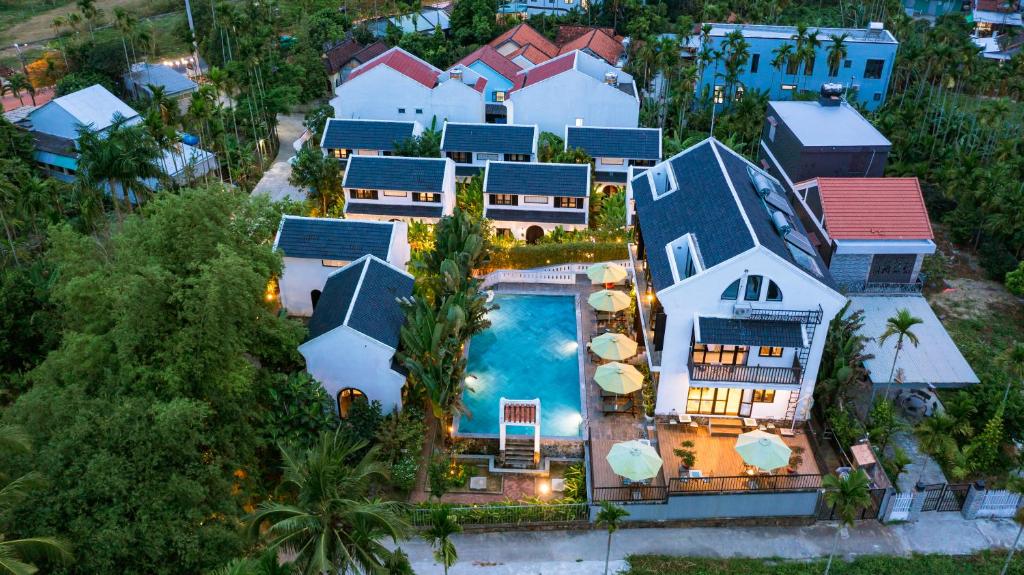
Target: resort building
(615,150)
(347,55)
(345,138)
(399,86)
(574,89)
(734,300)
(396,188)
(864,71)
(527,8)
(527,200)
(314,248)
(499,71)
(354,334)
(524,46)
(827,138)
(471,146)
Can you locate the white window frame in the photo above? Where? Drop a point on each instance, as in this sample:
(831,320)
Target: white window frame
(535,200)
(394,194)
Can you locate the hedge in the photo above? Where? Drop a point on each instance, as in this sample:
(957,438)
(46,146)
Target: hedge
(986,563)
(540,255)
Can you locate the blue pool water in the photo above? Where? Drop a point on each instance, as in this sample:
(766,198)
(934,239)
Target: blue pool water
(530,351)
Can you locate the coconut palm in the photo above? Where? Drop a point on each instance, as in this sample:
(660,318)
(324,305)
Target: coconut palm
(847,496)
(899,325)
(610,516)
(442,526)
(122,157)
(1013,360)
(19,82)
(331,524)
(808,53)
(781,56)
(836,53)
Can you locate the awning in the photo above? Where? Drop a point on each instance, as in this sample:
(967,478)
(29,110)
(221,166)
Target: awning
(935,360)
(752,332)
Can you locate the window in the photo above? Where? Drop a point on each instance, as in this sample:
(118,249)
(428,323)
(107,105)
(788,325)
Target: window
(391,194)
(720,354)
(426,197)
(461,157)
(809,67)
(768,351)
(517,157)
(613,161)
(847,63)
(792,65)
(363,194)
(755,60)
(877,97)
(719,96)
(642,163)
(347,398)
(764,396)
(579,121)
(499,95)
(753,291)
(419,110)
(576,203)
(401,110)
(484,157)
(739,93)
(333,263)
(340,154)
(535,199)
(733,291)
(789,87)
(504,199)
(503,232)
(713,401)
(774,293)
(873,69)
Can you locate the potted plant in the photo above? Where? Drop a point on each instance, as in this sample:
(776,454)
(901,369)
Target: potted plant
(686,455)
(648,395)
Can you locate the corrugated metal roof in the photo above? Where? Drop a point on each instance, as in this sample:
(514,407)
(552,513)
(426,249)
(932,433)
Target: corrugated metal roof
(333,239)
(631,143)
(172,81)
(564,180)
(94,105)
(492,138)
(874,209)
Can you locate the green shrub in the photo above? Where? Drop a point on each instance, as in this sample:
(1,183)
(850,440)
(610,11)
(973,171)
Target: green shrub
(540,255)
(403,473)
(996,260)
(847,428)
(575,482)
(1015,280)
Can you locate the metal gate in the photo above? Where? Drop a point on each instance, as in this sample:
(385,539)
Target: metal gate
(945,497)
(828,513)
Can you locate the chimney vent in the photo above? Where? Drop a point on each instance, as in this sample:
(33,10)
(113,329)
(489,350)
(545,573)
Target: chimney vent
(455,73)
(831,94)
(611,78)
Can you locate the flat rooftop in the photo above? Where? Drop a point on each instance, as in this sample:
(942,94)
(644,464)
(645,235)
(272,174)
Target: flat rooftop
(817,125)
(865,35)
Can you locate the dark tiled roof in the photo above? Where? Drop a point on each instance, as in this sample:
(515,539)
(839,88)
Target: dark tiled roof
(611,177)
(752,332)
(567,180)
(578,217)
(362,296)
(633,143)
(397,210)
(365,134)
(492,138)
(468,171)
(333,239)
(395,173)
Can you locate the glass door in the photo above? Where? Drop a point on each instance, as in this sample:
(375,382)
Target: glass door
(747,403)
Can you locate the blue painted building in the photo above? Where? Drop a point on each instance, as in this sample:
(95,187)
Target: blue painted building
(864,71)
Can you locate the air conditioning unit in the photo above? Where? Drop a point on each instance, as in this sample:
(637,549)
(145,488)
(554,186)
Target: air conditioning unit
(741,310)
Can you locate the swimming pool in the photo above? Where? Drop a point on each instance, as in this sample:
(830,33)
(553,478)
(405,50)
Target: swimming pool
(530,351)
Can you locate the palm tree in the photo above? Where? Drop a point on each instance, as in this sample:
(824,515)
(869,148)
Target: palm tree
(781,56)
(899,325)
(267,563)
(847,496)
(19,82)
(808,54)
(442,526)
(836,53)
(610,516)
(331,525)
(122,157)
(1013,360)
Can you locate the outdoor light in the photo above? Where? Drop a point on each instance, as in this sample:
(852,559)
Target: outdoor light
(544,487)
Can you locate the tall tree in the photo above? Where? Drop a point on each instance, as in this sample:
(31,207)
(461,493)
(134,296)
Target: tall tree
(847,496)
(610,515)
(899,326)
(442,526)
(836,53)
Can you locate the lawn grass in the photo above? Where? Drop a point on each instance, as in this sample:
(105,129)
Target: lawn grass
(988,563)
(983,339)
(18,11)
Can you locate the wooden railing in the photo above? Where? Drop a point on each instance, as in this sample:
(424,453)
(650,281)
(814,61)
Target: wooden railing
(743,483)
(745,373)
(632,494)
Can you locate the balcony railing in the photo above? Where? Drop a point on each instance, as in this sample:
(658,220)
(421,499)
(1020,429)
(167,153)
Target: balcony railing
(745,373)
(883,287)
(632,494)
(740,483)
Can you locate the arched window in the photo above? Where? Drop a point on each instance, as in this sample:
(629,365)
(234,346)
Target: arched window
(774,293)
(733,291)
(346,398)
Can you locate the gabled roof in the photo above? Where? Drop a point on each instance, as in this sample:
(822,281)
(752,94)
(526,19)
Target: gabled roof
(364,297)
(715,201)
(172,81)
(530,53)
(874,209)
(94,106)
(817,125)
(492,59)
(567,33)
(536,179)
(489,138)
(598,43)
(632,143)
(404,63)
(524,35)
(333,239)
(395,173)
(347,51)
(542,72)
(365,134)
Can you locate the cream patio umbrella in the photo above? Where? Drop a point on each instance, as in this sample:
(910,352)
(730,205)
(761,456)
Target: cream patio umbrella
(606,273)
(634,460)
(608,300)
(763,450)
(619,378)
(613,346)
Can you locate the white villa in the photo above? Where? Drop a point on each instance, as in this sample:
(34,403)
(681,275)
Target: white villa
(471,146)
(527,200)
(615,150)
(394,188)
(357,137)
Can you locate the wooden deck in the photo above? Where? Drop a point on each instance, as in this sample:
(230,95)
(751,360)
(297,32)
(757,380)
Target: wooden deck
(716,456)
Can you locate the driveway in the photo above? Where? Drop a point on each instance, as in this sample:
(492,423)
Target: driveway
(275,181)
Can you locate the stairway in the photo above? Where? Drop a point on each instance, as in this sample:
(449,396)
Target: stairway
(518,454)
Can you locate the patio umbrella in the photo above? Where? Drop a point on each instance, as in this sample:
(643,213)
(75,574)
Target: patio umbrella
(608,300)
(613,346)
(763,450)
(606,273)
(619,377)
(634,460)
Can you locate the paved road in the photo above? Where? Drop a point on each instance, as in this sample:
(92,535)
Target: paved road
(582,552)
(275,181)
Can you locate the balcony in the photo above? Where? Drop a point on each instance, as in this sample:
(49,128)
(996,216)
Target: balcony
(866,287)
(757,374)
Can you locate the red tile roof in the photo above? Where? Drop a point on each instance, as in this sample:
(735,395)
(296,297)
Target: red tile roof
(599,43)
(567,34)
(874,209)
(349,50)
(481,82)
(532,54)
(544,71)
(523,35)
(494,60)
(404,63)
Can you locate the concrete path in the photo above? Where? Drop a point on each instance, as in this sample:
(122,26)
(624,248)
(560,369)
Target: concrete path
(582,552)
(275,181)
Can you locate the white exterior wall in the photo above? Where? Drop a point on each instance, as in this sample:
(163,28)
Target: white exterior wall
(701,295)
(379,93)
(559,101)
(447,192)
(343,358)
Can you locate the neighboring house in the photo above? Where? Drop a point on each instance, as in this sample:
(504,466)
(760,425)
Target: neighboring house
(931,9)
(396,188)
(471,146)
(615,150)
(1000,46)
(599,43)
(499,72)
(314,248)
(827,138)
(55,124)
(575,89)
(345,138)
(426,21)
(354,334)
(524,46)
(527,200)
(992,17)
(734,301)
(175,84)
(527,8)
(864,72)
(399,86)
(348,55)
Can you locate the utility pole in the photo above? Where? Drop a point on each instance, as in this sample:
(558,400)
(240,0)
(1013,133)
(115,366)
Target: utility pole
(21,58)
(195,45)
